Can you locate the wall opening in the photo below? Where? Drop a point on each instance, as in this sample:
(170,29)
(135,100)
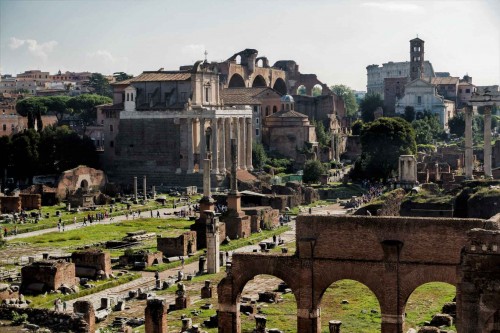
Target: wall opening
(317,90)
(259,81)
(280,86)
(302,90)
(236,81)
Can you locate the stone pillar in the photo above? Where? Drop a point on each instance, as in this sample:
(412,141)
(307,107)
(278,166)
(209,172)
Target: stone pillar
(144,188)
(309,321)
(242,144)
(206,178)
(182,299)
(135,188)
(229,136)
(228,318)
(260,324)
(201,264)
(215,143)
(153,190)
(468,143)
(249,143)
(86,309)
(203,142)
(156,316)
(487,142)
(222,146)
(186,324)
(237,136)
(206,291)
(334,326)
(190,151)
(392,323)
(213,245)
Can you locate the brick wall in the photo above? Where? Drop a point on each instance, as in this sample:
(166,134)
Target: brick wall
(88,263)
(177,246)
(51,273)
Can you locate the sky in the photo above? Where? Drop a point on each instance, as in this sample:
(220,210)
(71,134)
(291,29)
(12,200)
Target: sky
(335,39)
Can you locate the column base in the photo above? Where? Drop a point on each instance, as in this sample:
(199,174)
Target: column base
(215,171)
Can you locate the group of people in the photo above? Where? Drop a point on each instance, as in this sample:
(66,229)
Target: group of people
(60,305)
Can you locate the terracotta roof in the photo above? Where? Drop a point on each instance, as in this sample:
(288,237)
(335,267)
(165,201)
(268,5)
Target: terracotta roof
(287,114)
(242,96)
(445,80)
(118,106)
(162,76)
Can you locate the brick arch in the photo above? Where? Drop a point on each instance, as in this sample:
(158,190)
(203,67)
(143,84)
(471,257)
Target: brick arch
(280,86)
(236,81)
(259,81)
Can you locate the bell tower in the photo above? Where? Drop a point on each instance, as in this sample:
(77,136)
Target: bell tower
(416,58)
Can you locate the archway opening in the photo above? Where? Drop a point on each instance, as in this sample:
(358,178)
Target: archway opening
(425,301)
(259,62)
(236,81)
(259,81)
(84,184)
(317,90)
(354,304)
(238,59)
(280,86)
(302,90)
(281,313)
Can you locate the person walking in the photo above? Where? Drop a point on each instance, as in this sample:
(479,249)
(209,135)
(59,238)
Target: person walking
(65,306)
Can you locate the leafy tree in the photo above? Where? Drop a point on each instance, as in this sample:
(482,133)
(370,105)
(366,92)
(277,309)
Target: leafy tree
(259,156)
(348,96)
(356,127)
(122,76)
(100,85)
(382,142)
(368,106)
(409,114)
(58,105)
(457,124)
(423,133)
(301,90)
(31,105)
(84,106)
(321,134)
(316,91)
(313,169)
(24,151)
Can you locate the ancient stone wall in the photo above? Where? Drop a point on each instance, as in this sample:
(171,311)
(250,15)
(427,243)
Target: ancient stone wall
(31,201)
(42,276)
(10,204)
(80,177)
(177,246)
(89,263)
(262,217)
(353,148)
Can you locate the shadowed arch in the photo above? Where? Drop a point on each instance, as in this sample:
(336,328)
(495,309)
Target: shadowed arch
(236,81)
(280,86)
(259,81)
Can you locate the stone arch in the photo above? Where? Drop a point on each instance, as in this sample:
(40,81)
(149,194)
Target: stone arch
(84,184)
(280,86)
(259,81)
(316,90)
(236,81)
(301,90)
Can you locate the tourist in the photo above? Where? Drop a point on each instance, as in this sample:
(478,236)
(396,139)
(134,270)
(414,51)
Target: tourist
(59,226)
(158,215)
(65,305)
(157,275)
(274,239)
(151,214)
(5,232)
(74,220)
(15,230)
(182,262)
(63,226)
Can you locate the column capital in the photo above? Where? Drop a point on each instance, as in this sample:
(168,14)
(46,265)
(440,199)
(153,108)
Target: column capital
(487,110)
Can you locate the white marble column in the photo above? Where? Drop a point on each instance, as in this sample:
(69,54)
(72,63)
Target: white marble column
(248,144)
(242,145)
(229,135)
(215,143)
(237,137)
(222,146)
(468,143)
(487,142)
(203,143)
(190,151)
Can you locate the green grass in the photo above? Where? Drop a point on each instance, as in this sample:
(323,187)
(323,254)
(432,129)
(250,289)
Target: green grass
(47,301)
(99,233)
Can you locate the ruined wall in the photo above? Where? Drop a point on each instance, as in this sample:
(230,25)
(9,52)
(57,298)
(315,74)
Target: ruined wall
(10,204)
(238,226)
(177,246)
(42,276)
(88,263)
(31,201)
(73,179)
(262,217)
(352,148)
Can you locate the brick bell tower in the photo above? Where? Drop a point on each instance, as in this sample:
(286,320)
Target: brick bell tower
(416,58)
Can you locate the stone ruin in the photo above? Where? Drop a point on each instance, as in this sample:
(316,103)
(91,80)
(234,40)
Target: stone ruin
(141,259)
(182,245)
(47,275)
(19,201)
(92,264)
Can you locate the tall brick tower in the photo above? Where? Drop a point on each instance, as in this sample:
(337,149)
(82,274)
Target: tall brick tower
(416,58)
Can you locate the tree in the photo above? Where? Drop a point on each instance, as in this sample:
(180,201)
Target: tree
(457,124)
(58,105)
(100,85)
(368,106)
(382,142)
(423,133)
(31,105)
(122,76)
(321,134)
(24,151)
(5,153)
(259,156)
(409,115)
(356,127)
(316,90)
(313,169)
(348,96)
(84,106)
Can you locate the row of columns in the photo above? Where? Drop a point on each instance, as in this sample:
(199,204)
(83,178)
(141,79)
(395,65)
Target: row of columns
(469,160)
(222,131)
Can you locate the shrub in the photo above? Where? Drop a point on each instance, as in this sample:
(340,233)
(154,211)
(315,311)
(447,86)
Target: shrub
(18,319)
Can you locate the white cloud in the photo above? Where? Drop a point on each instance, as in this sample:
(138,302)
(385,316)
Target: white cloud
(393,6)
(104,61)
(37,49)
(102,55)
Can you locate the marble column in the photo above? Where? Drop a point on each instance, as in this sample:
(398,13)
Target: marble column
(144,187)
(222,146)
(203,143)
(242,145)
(237,136)
(468,143)
(135,188)
(190,151)
(215,143)
(487,142)
(229,136)
(248,145)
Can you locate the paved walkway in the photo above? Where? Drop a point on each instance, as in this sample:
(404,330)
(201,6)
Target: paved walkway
(164,213)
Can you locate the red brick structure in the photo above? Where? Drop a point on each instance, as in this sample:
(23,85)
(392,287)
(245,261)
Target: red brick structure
(31,201)
(156,316)
(177,246)
(262,217)
(10,204)
(89,263)
(82,177)
(392,256)
(86,310)
(42,276)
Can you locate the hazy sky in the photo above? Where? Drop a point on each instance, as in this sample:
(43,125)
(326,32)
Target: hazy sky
(335,39)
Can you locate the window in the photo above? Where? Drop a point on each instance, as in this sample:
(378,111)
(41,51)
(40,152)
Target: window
(419,99)
(131,97)
(111,128)
(4,127)
(128,97)
(111,143)
(255,108)
(256,120)
(256,132)
(206,94)
(467,91)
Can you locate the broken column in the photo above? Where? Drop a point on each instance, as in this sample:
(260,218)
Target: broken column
(468,143)
(334,326)
(182,299)
(86,310)
(487,142)
(186,324)
(213,244)
(153,189)
(201,264)
(135,188)
(156,316)
(144,192)
(260,324)
(206,290)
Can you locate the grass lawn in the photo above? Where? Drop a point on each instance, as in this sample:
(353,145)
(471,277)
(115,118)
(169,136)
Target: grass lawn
(99,233)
